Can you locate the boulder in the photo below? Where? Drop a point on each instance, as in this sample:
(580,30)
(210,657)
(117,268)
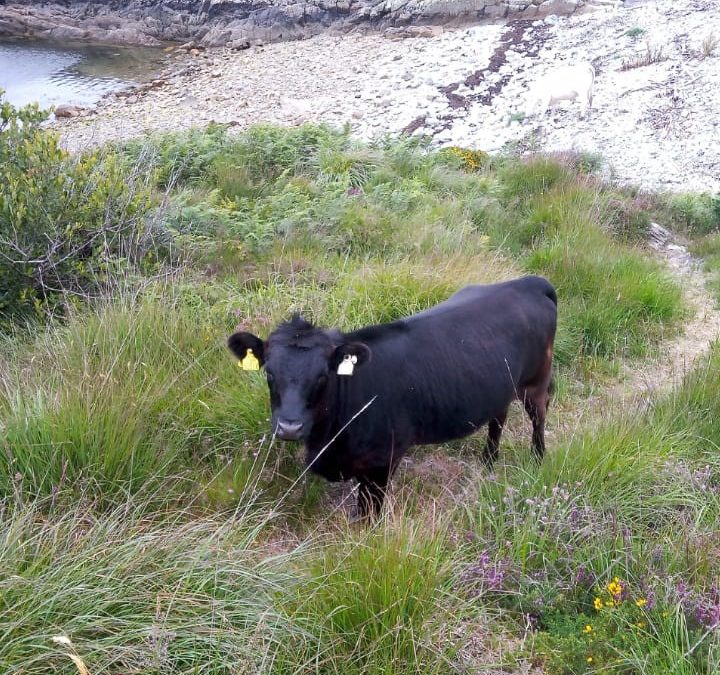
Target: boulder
(558,7)
(68,111)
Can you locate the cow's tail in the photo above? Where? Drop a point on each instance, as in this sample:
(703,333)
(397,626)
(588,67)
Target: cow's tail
(550,391)
(551,293)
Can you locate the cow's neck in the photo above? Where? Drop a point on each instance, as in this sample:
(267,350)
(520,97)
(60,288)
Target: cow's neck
(336,411)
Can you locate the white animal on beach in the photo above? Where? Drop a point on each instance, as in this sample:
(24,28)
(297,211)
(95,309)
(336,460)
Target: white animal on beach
(564,83)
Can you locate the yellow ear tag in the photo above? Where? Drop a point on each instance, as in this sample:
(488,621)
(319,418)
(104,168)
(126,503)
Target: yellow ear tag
(347,365)
(249,362)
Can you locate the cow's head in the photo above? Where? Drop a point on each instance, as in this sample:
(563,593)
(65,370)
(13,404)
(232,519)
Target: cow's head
(301,364)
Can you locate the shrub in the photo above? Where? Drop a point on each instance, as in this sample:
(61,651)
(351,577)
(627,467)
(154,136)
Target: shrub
(267,152)
(628,219)
(469,160)
(68,225)
(697,214)
(561,225)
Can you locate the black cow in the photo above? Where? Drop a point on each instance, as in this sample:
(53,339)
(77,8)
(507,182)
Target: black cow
(429,378)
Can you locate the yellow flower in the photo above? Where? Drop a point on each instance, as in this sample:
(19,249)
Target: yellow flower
(598,604)
(614,587)
(589,659)
(609,603)
(587,629)
(640,624)
(641,602)
(666,614)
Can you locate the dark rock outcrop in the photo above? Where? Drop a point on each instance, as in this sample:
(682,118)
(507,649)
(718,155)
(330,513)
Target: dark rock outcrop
(240,23)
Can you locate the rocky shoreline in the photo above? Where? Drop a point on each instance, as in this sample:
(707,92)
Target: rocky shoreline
(657,125)
(242,23)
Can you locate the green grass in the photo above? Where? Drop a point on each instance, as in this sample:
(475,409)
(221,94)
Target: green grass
(139,594)
(379,599)
(145,514)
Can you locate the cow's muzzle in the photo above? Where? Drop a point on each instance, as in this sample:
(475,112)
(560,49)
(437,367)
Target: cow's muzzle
(289,431)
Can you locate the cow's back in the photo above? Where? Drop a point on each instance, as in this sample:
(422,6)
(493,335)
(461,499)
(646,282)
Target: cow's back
(444,372)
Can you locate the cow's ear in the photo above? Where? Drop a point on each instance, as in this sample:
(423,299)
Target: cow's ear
(249,348)
(348,356)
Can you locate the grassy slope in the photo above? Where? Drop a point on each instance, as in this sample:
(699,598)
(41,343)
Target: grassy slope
(146,516)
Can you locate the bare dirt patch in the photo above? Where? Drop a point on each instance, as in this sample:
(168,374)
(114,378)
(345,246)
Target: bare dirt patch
(641,382)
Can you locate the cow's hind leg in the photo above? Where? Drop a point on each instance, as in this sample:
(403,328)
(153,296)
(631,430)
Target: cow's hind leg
(371,492)
(495,427)
(536,400)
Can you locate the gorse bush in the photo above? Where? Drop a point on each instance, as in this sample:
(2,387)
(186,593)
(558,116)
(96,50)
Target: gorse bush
(68,225)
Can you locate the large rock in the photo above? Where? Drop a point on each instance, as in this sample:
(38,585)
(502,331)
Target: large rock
(66,111)
(558,6)
(214,23)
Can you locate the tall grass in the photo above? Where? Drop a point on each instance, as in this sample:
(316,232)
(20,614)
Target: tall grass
(380,600)
(138,594)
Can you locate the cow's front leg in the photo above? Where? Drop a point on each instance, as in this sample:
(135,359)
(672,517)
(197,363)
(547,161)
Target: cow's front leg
(371,492)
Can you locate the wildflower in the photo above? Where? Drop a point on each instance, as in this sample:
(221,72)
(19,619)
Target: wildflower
(589,659)
(615,587)
(587,629)
(665,615)
(609,603)
(682,590)
(581,575)
(641,602)
(598,604)
(640,624)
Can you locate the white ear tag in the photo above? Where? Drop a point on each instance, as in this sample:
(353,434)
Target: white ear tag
(347,365)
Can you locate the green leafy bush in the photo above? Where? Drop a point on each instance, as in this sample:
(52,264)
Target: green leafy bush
(696,213)
(67,224)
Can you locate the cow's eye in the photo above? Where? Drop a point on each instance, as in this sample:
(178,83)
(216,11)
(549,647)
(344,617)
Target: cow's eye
(322,379)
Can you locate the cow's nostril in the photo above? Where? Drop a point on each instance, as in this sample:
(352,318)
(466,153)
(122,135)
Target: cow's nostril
(289,430)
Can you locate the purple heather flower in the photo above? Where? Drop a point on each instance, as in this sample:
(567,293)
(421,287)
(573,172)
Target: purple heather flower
(580,575)
(682,591)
